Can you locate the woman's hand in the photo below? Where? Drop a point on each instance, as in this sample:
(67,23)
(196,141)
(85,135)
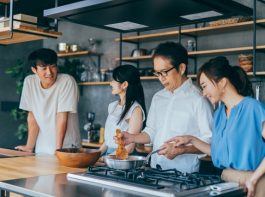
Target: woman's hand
(126,137)
(250,186)
(180,140)
(170,150)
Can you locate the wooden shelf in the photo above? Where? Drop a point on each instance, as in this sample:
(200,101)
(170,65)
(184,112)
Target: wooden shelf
(146,78)
(203,52)
(259,73)
(25,34)
(94,83)
(194,31)
(146,57)
(228,50)
(78,53)
(4,1)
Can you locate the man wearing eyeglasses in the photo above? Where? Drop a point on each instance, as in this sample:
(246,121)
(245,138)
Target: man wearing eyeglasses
(178,109)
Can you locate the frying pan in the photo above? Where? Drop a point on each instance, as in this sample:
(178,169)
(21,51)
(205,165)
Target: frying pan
(131,162)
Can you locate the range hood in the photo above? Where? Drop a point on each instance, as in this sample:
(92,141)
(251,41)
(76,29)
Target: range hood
(145,15)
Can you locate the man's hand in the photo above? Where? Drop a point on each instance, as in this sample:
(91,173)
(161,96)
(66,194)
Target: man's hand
(170,150)
(24,148)
(126,137)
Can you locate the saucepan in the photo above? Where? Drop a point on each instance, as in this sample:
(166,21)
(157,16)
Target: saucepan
(131,162)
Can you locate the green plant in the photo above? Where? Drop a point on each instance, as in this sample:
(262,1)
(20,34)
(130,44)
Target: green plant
(19,71)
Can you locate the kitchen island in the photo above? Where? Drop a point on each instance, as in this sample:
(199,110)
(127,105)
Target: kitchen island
(43,176)
(32,166)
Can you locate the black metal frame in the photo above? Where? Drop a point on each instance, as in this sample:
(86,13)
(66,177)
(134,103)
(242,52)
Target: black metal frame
(254,41)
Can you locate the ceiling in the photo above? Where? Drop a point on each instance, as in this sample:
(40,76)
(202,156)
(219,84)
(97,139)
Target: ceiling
(152,14)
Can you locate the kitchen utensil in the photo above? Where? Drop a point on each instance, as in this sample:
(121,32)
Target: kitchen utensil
(150,154)
(131,162)
(77,157)
(191,45)
(138,52)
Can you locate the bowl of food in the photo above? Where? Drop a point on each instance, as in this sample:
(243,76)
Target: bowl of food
(77,157)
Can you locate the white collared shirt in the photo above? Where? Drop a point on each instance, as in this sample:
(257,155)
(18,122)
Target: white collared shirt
(183,112)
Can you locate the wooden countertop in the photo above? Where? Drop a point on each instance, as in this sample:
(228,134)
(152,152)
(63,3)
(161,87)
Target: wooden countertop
(30,166)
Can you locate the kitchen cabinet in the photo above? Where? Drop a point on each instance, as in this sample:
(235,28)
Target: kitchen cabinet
(23,33)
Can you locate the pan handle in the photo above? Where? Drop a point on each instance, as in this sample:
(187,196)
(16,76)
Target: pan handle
(150,154)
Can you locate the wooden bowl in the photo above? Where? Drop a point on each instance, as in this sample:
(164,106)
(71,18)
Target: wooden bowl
(77,157)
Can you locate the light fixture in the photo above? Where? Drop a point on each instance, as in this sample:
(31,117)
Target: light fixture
(201,15)
(127,25)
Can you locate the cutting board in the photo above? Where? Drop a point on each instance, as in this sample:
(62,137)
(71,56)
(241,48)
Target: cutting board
(14,153)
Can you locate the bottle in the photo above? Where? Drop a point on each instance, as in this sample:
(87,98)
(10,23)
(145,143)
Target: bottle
(101,135)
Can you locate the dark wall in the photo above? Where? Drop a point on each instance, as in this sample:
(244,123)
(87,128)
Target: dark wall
(8,57)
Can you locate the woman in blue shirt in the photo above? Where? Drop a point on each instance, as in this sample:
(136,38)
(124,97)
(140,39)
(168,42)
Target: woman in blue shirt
(238,128)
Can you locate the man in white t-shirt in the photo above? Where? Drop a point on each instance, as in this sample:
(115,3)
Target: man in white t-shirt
(178,109)
(51,101)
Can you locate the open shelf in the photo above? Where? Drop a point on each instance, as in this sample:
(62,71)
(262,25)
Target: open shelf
(25,34)
(78,53)
(146,78)
(203,52)
(194,31)
(4,1)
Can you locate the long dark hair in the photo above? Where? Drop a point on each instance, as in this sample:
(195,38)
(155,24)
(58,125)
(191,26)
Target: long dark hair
(217,68)
(134,90)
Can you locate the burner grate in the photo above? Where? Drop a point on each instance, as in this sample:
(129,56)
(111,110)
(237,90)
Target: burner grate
(155,178)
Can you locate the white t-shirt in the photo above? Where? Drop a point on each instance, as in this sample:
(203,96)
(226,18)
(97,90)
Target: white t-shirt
(115,111)
(62,96)
(183,112)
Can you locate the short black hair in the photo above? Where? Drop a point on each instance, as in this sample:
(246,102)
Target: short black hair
(174,52)
(42,56)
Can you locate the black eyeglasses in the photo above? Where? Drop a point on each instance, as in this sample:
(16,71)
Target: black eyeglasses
(163,73)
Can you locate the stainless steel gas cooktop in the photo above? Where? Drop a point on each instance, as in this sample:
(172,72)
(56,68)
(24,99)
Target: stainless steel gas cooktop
(163,183)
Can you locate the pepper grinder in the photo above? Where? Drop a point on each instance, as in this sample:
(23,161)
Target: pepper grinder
(88,127)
